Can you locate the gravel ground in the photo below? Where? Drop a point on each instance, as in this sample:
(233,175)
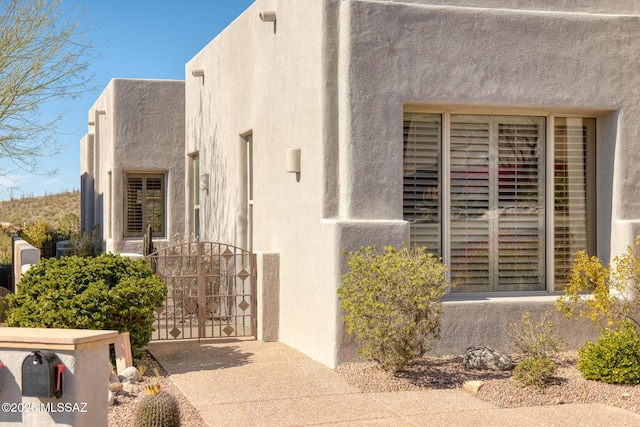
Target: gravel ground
(434,373)
(123,412)
(498,388)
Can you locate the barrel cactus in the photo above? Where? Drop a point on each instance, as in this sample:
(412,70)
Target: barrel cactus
(157,409)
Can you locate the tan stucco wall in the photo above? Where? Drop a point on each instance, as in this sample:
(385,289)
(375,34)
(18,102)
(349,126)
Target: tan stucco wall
(483,320)
(407,56)
(572,6)
(333,77)
(552,62)
(142,130)
(260,78)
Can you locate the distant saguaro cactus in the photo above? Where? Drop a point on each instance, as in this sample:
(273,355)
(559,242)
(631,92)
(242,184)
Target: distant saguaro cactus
(147,242)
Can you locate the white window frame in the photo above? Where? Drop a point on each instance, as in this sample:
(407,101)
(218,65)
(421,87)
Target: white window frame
(549,174)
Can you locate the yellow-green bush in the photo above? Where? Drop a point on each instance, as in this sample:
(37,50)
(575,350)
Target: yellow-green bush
(392,303)
(36,234)
(536,341)
(604,294)
(607,295)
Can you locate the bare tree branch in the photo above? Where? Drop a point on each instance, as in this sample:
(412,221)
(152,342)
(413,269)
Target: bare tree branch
(44,56)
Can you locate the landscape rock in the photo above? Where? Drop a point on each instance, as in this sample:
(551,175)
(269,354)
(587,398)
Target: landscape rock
(472,386)
(131,374)
(115,387)
(129,388)
(113,377)
(111,398)
(486,358)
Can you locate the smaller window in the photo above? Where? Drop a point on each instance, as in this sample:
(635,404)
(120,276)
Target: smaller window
(144,204)
(110,207)
(195,196)
(249,169)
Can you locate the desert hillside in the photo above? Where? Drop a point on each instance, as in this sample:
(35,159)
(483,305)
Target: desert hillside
(48,208)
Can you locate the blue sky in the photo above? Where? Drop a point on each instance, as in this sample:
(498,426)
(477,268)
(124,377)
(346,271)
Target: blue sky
(137,39)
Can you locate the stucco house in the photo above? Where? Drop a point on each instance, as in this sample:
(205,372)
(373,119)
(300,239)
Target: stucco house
(501,134)
(132,163)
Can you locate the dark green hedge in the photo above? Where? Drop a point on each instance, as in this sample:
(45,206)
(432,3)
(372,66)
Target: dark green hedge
(106,292)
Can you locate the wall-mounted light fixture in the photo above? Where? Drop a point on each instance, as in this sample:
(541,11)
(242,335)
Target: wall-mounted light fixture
(268,16)
(293,160)
(197,72)
(101,112)
(204,182)
(91,123)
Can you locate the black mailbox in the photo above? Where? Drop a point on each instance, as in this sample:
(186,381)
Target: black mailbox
(42,375)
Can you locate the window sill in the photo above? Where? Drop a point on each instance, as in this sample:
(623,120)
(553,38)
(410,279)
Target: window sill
(141,238)
(477,297)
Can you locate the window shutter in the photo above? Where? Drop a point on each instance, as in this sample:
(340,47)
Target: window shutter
(470,203)
(144,204)
(520,205)
(496,189)
(421,185)
(155,205)
(497,203)
(134,220)
(571,226)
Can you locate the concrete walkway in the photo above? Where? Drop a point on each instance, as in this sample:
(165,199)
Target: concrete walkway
(251,383)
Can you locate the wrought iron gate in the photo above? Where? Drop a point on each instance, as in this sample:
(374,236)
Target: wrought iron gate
(211,291)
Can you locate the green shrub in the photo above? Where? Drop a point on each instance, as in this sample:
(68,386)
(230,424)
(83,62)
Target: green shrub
(83,243)
(87,243)
(392,303)
(535,339)
(6,246)
(535,372)
(105,292)
(69,225)
(614,358)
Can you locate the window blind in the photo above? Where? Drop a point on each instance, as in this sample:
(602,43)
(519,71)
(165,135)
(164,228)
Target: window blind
(154,205)
(497,203)
(496,194)
(520,204)
(421,184)
(573,139)
(144,204)
(471,181)
(134,220)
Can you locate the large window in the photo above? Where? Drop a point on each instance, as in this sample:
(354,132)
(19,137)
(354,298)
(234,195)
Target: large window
(144,204)
(475,193)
